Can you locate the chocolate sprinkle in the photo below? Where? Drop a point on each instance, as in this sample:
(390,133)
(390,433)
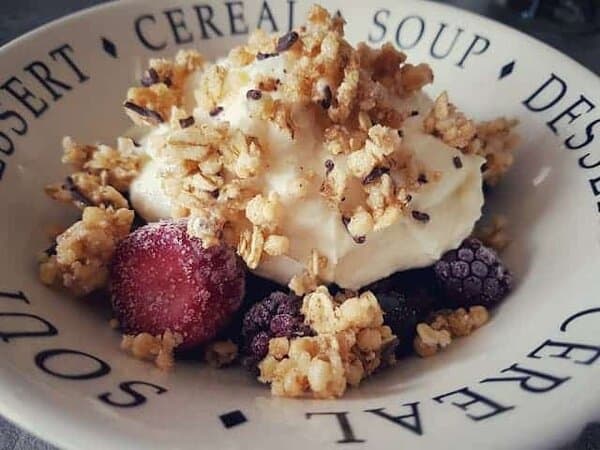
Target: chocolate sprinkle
(484,167)
(414,112)
(375,174)
(420,216)
(422,179)
(360,239)
(153,116)
(329,165)
(286,41)
(215,111)
(187,122)
(253,94)
(401,133)
(260,55)
(150,77)
(326,100)
(457,162)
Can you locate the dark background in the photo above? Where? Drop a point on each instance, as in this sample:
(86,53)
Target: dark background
(572,26)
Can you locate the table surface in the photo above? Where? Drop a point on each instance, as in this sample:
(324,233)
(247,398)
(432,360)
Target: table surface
(20,16)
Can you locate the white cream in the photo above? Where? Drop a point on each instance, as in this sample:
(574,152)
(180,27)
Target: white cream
(146,194)
(453,202)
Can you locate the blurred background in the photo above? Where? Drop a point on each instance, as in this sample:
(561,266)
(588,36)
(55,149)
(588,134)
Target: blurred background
(571,26)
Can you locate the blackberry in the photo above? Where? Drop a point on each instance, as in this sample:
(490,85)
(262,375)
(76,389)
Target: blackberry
(401,317)
(257,288)
(472,275)
(277,315)
(406,299)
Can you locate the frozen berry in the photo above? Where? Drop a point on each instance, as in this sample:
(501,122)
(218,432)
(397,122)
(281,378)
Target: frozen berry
(162,279)
(401,317)
(472,275)
(257,288)
(277,315)
(406,299)
(402,314)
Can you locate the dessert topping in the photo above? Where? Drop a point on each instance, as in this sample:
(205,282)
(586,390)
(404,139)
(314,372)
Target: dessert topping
(158,349)
(84,251)
(438,332)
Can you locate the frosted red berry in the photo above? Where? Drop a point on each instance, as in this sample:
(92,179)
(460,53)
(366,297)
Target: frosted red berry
(162,278)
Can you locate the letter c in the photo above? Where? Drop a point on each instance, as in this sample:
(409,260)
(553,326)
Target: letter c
(142,38)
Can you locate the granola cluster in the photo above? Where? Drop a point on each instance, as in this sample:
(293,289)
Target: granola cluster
(101,176)
(159,349)
(350,343)
(437,333)
(79,261)
(494,234)
(214,170)
(494,140)
(79,258)
(162,88)
(211,180)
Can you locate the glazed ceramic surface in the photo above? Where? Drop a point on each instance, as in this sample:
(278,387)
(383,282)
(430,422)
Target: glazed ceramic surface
(529,379)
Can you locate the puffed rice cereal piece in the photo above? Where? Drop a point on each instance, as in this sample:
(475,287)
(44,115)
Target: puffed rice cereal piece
(83,252)
(445,325)
(158,349)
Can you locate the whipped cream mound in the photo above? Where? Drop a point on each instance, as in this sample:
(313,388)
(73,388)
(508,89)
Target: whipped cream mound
(329,195)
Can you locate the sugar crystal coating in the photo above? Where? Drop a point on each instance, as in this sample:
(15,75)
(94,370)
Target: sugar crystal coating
(277,315)
(162,279)
(472,275)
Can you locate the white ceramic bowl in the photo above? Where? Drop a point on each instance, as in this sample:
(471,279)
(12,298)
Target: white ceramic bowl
(529,379)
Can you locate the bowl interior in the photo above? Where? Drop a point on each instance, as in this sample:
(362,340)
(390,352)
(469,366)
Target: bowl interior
(59,352)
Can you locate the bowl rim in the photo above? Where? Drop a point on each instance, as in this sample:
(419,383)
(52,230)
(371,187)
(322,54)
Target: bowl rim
(38,415)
